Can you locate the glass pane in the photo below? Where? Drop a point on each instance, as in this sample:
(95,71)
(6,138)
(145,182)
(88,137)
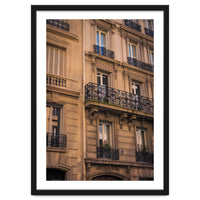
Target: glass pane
(152,59)
(137,89)
(103,40)
(106,135)
(134,51)
(105,80)
(129,47)
(98,38)
(98,79)
(100,131)
(133,87)
(142,138)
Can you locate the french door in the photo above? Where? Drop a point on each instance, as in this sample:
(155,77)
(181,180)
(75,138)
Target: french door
(102,86)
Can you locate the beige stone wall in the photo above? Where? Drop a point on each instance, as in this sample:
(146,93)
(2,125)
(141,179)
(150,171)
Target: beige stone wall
(70,98)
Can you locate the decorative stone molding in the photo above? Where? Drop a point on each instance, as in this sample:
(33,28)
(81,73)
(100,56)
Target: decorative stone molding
(88,167)
(93,111)
(107,115)
(132,118)
(122,119)
(106,66)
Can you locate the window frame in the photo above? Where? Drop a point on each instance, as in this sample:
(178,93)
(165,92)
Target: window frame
(130,51)
(110,132)
(151,58)
(56,70)
(146,138)
(106,37)
(53,117)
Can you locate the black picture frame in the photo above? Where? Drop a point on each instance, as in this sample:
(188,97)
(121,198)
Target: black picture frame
(34,10)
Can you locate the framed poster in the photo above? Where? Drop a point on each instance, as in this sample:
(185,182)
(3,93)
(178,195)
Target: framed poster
(100,100)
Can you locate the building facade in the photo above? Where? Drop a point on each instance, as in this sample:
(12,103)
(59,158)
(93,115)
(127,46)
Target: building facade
(100,88)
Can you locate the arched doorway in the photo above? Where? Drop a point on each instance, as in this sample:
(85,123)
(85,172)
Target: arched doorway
(106,178)
(55,175)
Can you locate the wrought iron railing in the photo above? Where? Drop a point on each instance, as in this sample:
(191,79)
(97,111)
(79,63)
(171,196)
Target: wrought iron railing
(132,25)
(55,80)
(108,153)
(59,141)
(140,64)
(149,32)
(103,51)
(144,157)
(58,23)
(108,95)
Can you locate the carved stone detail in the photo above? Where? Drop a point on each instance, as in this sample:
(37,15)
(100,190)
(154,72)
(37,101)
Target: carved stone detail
(106,66)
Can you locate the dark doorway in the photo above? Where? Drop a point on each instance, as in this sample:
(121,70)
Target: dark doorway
(55,175)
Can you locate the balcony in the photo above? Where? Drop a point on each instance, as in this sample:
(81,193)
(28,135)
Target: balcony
(108,153)
(132,25)
(57,141)
(140,64)
(59,24)
(149,32)
(119,98)
(55,80)
(103,51)
(144,157)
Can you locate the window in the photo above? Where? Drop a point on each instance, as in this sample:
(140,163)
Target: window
(151,57)
(142,140)
(104,135)
(135,87)
(105,148)
(143,151)
(132,50)
(53,119)
(53,127)
(55,60)
(101,38)
(149,24)
(102,85)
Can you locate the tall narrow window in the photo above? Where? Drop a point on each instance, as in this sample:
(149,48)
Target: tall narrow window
(101,43)
(142,140)
(53,125)
(151,57)
(55,60)
(149,24)
(101,38)
(102,85)
(104,135)
(135,88)
(132,50)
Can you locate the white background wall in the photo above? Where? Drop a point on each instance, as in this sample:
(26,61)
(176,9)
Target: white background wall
(15,141)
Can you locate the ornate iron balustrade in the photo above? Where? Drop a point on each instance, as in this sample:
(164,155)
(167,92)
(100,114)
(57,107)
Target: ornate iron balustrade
(108,153)
(59,24)
(132,25)
(149,32)
(117,97)
(144,157)
(52,79)
(103,51)
(58,141)
(140,64)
